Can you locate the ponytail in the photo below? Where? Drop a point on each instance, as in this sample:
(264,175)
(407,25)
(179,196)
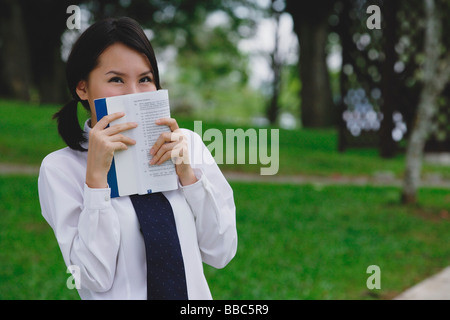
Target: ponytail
(68,126)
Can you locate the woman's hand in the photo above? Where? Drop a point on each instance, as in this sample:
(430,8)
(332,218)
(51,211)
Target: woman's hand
(102,145)
(173,145)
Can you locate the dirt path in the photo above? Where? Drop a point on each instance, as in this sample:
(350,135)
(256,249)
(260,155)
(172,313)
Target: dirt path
(381,179)
(20,169)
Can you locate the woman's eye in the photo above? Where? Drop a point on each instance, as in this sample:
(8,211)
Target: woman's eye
(145,79)
(116,79)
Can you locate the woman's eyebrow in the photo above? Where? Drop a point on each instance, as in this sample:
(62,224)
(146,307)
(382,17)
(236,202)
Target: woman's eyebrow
(115,72)
(146,72)
(123,74)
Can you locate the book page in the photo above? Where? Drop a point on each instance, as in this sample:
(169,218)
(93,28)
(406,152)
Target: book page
(146,109)
(126,174)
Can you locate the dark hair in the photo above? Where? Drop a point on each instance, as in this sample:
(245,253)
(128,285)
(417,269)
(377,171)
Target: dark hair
(84,58)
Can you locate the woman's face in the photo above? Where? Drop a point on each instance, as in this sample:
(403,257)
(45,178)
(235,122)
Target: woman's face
(120,70)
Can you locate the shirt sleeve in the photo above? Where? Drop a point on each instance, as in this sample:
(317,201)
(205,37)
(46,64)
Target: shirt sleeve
(84,222)
(212,204)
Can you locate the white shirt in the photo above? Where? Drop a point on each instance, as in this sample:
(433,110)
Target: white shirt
(101,236)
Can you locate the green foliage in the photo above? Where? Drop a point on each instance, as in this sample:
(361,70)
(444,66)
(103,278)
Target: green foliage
(209,78)
(289,100)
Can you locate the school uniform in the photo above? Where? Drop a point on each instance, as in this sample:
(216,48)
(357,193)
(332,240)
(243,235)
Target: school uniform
(102,237)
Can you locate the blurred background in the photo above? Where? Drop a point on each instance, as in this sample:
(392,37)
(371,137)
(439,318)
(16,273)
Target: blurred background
(343,84)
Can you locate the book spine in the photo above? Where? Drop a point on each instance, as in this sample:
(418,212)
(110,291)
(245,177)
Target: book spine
(101,110)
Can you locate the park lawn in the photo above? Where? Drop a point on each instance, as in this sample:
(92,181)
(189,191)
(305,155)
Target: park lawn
(29,134)
(31,265)
(295,242)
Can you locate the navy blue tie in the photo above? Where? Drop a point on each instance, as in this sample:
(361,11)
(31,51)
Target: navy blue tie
(166,278)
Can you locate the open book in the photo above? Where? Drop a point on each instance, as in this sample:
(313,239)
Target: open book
(130,171)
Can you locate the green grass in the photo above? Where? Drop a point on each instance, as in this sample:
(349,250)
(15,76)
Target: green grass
(28,132)
(305,242)
(300,242)
(31,265)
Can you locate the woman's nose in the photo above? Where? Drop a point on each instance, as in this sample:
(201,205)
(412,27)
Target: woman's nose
(131,88)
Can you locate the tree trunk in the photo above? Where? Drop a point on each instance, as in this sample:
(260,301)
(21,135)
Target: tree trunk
(14,53)
(317,104)
(436,74)
(52,85)
(44,42)
(276,64)
(416,143)
(311,26)
(346,43)
(387,145)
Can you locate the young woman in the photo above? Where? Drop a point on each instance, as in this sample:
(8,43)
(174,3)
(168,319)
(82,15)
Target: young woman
(104,238)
